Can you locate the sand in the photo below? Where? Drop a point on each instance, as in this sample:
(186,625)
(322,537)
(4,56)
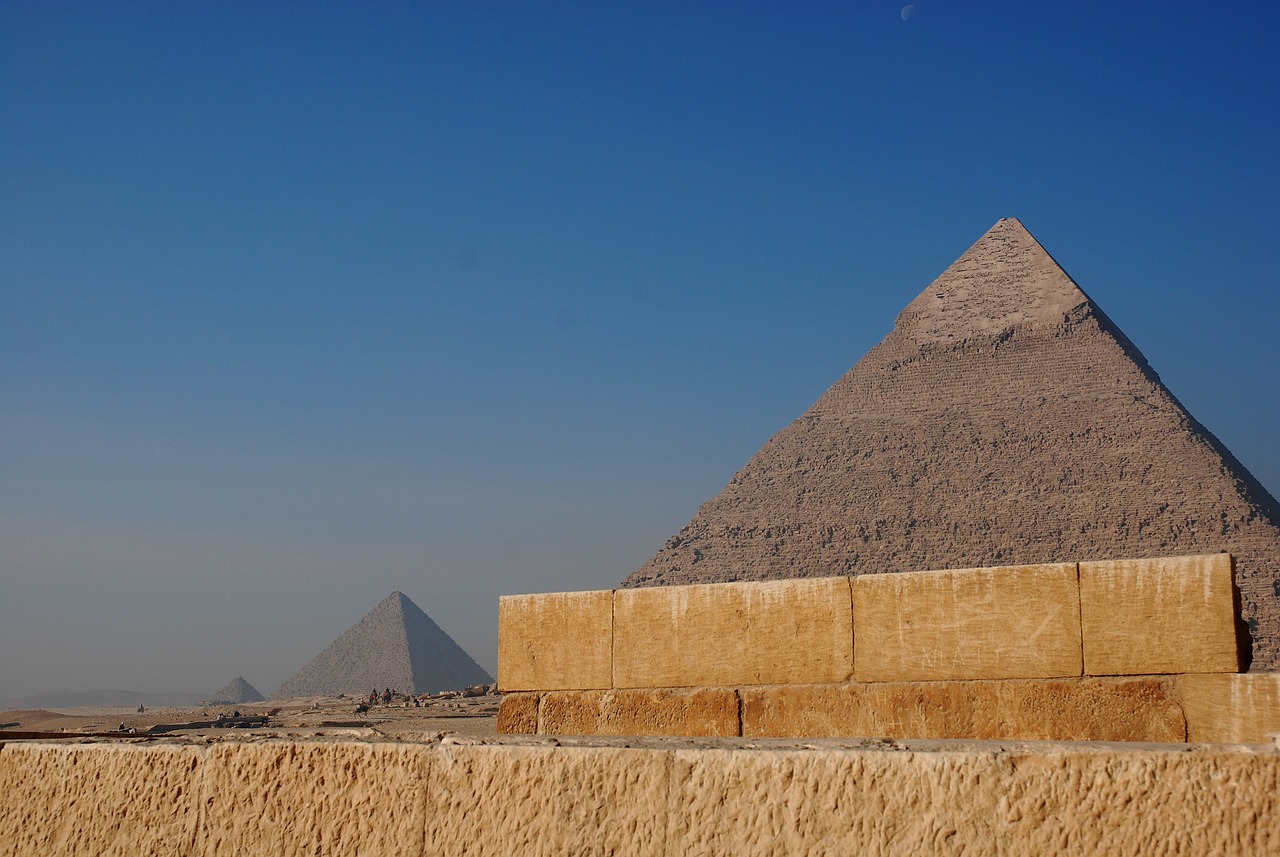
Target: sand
(300,717)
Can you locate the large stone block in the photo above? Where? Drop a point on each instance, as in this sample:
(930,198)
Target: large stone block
(985,623)
(486,801)
(302,798)
(704,712)
(1015,802)
(341,797)
(518,714)
(1231,709)
(1158,616)
(99,799)
(1020,709)
(555,641)
(776,632)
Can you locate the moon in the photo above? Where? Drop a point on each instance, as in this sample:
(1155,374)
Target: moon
(907,10)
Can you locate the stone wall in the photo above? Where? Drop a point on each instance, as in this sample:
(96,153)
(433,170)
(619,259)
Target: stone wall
(1126,650)
(1005,420)
(283,798)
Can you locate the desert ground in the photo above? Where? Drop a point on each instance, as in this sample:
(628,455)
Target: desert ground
(301,717)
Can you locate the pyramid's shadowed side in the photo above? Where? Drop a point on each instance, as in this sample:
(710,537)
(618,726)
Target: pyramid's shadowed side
(396,645)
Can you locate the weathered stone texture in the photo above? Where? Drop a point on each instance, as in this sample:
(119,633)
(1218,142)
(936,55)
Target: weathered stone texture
(1152,616)
(1243,709)
(518,714)
(1005,420)
(548,801)
(304,798)
(556,641)
(731,634)
(100,800)
(286,798)
(705,712)
(990,623)
(1039,710)
(1052,801)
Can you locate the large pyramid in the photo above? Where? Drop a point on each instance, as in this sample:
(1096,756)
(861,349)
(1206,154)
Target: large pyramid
(1004,420)
(237,691)
(395,645)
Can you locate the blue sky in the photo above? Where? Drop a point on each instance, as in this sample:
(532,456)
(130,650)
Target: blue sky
(305,304)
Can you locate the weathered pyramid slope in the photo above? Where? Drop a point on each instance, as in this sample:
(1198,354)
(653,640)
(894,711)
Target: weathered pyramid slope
(395,645)
(237,691)
(1004,420)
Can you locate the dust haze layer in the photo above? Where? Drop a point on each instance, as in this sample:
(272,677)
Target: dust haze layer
(1004,420)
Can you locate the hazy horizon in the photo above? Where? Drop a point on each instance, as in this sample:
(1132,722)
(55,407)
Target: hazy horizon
(465,301)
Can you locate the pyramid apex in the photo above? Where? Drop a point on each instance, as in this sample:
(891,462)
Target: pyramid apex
(395,645)
(1005,280)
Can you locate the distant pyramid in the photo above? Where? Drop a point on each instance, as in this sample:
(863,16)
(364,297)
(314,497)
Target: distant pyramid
(395,645)
(236,692)
(1004,420)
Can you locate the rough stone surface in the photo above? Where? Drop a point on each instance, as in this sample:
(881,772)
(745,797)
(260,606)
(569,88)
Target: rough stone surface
(1239,709)
(518,714)
(735,633)
(1030,803)
(548,802)
(100,800)
(709,712)
(989,623)
(1150,616)
(556,641)
(303,798)
(286,798)
(1005,420)
(395,645)
(1078,710)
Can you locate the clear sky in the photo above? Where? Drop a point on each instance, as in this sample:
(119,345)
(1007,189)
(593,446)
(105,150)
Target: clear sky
(305,303)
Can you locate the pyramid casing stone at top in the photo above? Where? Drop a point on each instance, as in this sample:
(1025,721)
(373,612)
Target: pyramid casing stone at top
(1158,616)
(733,634)
(984,623)
(555,641)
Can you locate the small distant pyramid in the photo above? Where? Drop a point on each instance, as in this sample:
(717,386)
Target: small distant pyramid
(236,692)
(1004,420)
(395,645)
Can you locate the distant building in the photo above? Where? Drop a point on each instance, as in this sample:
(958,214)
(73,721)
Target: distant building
(395,645)
(236,692)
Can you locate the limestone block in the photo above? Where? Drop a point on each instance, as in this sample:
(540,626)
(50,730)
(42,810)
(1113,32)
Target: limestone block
(984,623)
(1234,709)
(342,797)
(704,712)
(302,798)
(1158,616)
(1019,709)
(547,801)
(518,714)
(775,632)
(555,641)
(96,799)
(1012,802)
